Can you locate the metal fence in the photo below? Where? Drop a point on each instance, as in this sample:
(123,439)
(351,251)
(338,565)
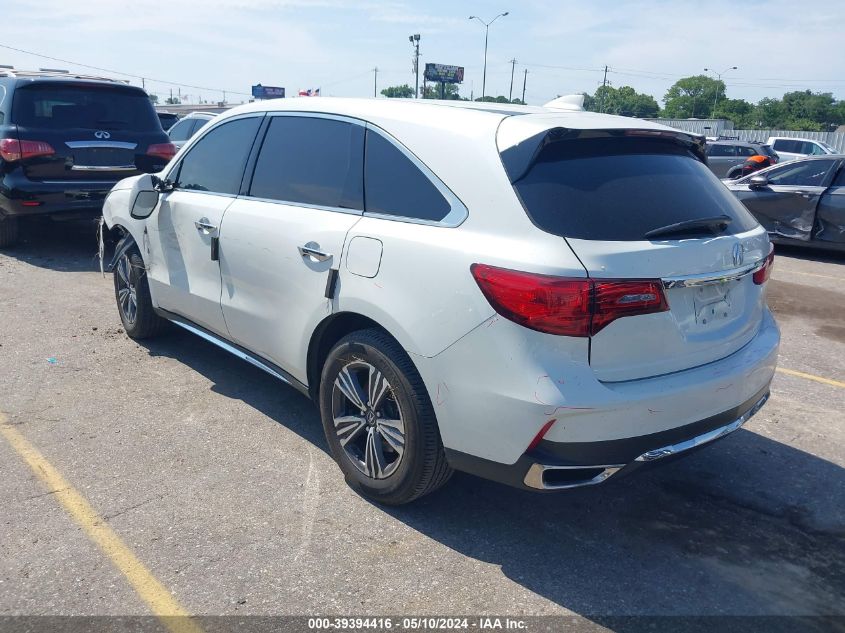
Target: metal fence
(721,127)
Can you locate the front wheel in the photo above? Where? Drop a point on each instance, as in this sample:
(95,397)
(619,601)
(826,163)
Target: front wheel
(132,292)
(379,421)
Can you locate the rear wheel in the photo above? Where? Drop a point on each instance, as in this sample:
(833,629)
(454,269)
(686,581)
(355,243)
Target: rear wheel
(9,232)
(132,292)
(379,421)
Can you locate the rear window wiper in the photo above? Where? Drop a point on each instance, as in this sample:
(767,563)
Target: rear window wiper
(716,224)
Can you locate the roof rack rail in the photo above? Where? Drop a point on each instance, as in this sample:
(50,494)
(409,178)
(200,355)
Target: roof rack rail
(11,71)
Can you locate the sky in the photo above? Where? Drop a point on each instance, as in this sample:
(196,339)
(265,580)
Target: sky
(777,45)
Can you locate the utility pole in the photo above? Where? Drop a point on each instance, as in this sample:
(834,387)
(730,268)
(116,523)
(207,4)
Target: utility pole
(513,68)
(524,81)
(603,89)
(375,82)
(143,83)
(415,42)
(486,33)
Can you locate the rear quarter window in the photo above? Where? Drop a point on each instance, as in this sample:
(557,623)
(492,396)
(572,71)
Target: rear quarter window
(619,189)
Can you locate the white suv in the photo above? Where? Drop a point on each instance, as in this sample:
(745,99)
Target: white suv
(793,148)
(540,297)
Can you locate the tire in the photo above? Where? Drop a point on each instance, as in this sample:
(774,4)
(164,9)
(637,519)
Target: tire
(365,445)
(9,232)
(132,293)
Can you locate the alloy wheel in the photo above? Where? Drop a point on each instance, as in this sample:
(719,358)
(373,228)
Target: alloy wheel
(368,420)
(127,297)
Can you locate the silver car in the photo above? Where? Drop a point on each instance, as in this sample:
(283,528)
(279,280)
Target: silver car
(186,127)
(726,157)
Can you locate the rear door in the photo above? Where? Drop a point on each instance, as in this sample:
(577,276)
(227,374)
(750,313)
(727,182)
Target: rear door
(97,131)
(721,157)
(279,242)
(185,273)
(609,195)
(787,205)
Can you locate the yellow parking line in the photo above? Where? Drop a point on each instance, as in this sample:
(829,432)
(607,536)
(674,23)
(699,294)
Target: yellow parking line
(801,374)
(171,614)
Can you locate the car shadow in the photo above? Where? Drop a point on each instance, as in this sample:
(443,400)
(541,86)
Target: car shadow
(810,253)
(65,246)
(747,526)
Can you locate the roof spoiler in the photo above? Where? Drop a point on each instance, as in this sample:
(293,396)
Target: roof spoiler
(572,103)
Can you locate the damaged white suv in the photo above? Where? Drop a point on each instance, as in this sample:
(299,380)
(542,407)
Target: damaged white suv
(544,297)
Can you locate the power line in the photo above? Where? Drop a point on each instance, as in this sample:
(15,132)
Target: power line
(118,72)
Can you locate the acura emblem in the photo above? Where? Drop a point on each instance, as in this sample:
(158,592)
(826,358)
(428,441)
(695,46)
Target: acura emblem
(738,253)
(102,134)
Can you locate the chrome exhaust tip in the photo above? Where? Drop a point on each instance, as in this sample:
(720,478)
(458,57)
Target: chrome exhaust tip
(542,477)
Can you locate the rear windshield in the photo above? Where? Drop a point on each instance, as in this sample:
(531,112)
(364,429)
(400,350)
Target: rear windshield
(56,106)
(621,188)
(767,150)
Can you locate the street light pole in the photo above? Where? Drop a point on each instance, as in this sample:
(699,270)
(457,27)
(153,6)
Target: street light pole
(415,42)
(486,33)
(719,76)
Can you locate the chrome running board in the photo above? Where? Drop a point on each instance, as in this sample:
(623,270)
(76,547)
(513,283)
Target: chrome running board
(536,477)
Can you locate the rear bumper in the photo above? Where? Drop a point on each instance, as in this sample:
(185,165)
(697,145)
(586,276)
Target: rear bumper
(555,466)
(22,197)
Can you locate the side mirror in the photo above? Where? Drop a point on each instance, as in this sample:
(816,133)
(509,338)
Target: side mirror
(144,203)
(758,181)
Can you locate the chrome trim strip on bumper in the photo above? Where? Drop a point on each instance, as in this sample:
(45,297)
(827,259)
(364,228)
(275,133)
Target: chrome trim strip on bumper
(534,476)
(712,278)
(105,144)
(104,168)
(704,438)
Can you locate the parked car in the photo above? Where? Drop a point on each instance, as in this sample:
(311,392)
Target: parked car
(792,148)
(726,158)
(167,119)
(188,126)
(66,139)
(800,202)
(542,297)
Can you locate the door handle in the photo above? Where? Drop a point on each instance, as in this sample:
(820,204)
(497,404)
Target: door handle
(311,250)
(205,226)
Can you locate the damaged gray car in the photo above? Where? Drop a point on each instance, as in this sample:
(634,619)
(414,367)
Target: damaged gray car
(801,202)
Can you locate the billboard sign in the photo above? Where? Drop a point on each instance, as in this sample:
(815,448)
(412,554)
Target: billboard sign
(444,73)
(268,92)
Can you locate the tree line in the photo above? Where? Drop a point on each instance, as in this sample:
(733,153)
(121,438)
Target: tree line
(700,97)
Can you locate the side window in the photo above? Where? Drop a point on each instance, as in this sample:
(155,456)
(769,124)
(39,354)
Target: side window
(197,126)
(722,150)
(839,181)
(182,130)
(809,173)
(311,160)
(395,186)
(788,145)
(216,162)
(743,150)
(814,149)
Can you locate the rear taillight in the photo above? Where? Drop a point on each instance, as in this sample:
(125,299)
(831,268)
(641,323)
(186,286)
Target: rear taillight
(12,149)
(762,275)
(568,307)
(162,150)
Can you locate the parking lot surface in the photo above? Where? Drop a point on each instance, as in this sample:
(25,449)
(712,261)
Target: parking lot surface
(217,478)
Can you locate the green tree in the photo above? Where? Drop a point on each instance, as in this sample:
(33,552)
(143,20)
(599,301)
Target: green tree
(172,101)
(153,98)
(737,110)
(499,99)
(624,101)
(802,107)
(451,92)
(693,97)
(398,92)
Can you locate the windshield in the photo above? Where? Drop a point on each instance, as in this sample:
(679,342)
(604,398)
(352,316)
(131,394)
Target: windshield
(623,188)
(57,106)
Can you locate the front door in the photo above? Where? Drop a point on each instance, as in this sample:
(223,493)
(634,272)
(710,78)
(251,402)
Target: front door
(184,277)
(787,205)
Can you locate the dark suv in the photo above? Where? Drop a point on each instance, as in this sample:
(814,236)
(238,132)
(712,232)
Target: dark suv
(66,139)
(725,157)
